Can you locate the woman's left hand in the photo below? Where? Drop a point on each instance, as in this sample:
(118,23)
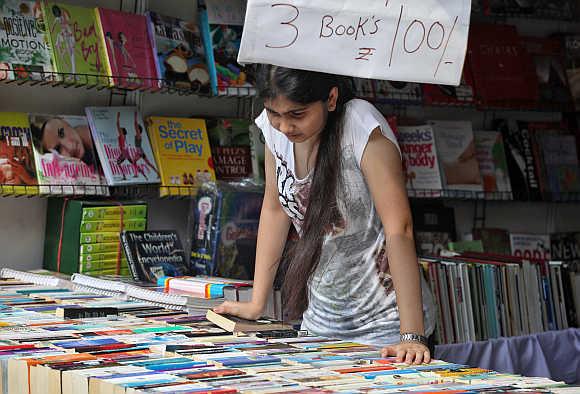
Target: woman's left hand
(408,352)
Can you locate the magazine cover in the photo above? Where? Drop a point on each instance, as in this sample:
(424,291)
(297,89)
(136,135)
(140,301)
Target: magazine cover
(25,52)
(530,246)
(493,167)
(65,156)
(17,167)
(76,45)
(457,155)
(129,51)
(221,28)
(231,150)
(122,145)
(180,54)
(183,153)
(420,162)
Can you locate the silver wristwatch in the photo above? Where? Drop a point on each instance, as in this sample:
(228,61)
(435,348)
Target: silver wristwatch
(412,337)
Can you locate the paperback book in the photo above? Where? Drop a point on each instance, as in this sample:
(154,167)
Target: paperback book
(490,153)
(122,145)
(231,150)
(66,161)
(530,246)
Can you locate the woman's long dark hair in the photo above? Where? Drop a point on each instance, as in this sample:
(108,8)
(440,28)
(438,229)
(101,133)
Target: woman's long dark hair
(322,213)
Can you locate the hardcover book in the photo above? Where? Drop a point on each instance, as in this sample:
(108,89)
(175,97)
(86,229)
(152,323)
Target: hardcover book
(181,60)
(420,162)
(17,166)
(457,155)
(183,152)
(154,254)
(24,51)
(130,57)
(221,28)
(231,151)
(77,49)
(490,153)
(122,145)
(64,152)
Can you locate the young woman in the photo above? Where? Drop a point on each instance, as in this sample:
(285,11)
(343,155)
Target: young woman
(333,170)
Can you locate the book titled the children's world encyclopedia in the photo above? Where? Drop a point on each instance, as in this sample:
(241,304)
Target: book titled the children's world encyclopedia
(122,145)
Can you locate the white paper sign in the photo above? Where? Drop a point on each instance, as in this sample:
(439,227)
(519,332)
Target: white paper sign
(413,40)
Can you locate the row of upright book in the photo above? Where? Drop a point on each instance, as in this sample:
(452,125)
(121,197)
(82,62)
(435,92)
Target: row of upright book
(111,146)
(61,340)
(99,46)
(480,297)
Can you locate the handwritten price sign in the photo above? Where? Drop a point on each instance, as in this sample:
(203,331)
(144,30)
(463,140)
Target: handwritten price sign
(413,40)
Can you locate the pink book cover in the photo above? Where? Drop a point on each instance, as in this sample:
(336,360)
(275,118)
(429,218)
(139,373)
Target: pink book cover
(129,49)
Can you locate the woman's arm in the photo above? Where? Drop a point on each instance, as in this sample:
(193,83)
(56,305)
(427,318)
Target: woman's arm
(272,235)
(381,165)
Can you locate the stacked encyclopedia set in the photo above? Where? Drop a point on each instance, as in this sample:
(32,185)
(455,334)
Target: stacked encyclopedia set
(58,340)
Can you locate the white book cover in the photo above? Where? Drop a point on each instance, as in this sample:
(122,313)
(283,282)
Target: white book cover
(530,246)
(490,153)
(420,161)
(457,155)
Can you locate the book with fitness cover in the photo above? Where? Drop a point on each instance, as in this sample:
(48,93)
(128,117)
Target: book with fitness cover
(77,49)
(122,145)
(24,51)
(17,167)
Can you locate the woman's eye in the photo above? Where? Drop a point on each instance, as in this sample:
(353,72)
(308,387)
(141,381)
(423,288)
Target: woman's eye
(298,114)
(61,133)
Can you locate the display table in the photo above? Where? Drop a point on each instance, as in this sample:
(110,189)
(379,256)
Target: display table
(552,354)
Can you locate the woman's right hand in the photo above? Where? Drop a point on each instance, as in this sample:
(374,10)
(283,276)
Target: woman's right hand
(245,310)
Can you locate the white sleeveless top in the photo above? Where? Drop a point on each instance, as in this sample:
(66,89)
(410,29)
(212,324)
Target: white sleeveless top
(350,294)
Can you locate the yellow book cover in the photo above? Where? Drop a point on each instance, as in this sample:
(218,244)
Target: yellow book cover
(183,153)
(17,168)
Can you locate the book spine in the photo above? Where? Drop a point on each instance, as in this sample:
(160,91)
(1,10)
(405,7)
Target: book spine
(105,51)
(114,212)
(113,225)
(101,237)
(99,248)
(129,255)
(208,46)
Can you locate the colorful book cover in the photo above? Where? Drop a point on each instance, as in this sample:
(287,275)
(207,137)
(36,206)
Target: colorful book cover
(495,240)
(572,44)
(565,246)
(17,165)
(530,246)
(560,161)
(238,233)
(122,145)
(64,152)
(258,150)
(24,49)
(501,67)
(457,155)
(154,254)
(548,57)
(183,152)
(420,161)
(221,28)
(490,153)
(231,151)
(76,46)
(181,60)
(204,237)
(130,56)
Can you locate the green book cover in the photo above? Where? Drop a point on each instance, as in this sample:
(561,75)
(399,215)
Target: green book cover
(24,49)
(101,257)
(95,238)
(76,46)
(113,225)
(114,212)
(99,247)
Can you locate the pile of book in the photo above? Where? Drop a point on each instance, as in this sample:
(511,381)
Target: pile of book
(57,340)
(480,297)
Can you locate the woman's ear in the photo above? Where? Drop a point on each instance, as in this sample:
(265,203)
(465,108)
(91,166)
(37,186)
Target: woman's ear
(332,99)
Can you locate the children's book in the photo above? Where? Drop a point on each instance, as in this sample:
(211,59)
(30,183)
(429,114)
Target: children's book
(231,150)
(66,162)
(221,28)
(130,57)
(420,162)
(183,152)
(178,45)
(17,166)
(154,254)
(77,49)
(490,152)
(122,145)
(457,155)
(24,49)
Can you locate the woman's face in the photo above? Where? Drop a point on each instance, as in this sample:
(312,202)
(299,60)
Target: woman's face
(60,136)
(299,122)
